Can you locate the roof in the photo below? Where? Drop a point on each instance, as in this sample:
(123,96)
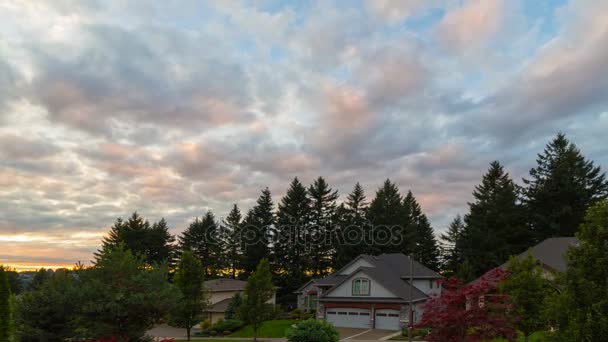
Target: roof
(220,306)
(224,284)
(390,270)
(552,252)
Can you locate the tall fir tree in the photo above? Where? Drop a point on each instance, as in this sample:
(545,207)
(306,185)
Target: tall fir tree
(231,239)
(450,242)
(423,244)
(322,220)
(153,242)
(560,188)
(495,227)
(256,231)
(291,252)
(386,215)
(352,237)
(202,238)
(6,315)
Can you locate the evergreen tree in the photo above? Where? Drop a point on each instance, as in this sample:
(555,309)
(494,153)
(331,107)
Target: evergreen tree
(192,296)
(47,313)
(233,306)
(39,278)
(386,214)
(353,236)
(231,239)
(258,291)
(122,296)
(322,219)
(424,247)
(495,226)
(160,244)
(6,316)
(561,188)
(255,237)
(202,239)
(291,252)
(13,280)
(153,242)
(581,309)
(451,246)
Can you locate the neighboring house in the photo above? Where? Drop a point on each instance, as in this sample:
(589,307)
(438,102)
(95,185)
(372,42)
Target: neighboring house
(371,292)
(220,293)
(550,253)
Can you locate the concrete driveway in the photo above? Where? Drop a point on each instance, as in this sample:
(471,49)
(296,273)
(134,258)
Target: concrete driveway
(352,334)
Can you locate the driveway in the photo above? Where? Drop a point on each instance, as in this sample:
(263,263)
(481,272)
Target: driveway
(352,334)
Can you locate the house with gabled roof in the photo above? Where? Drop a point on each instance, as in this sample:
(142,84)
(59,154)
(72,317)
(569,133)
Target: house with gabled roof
(372,292)
(220,293)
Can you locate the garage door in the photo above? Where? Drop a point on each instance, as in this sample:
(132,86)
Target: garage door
(387,319)
(349,318)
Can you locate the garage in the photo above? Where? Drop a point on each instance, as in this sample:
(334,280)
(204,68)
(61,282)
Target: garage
(349,317)
(387,319)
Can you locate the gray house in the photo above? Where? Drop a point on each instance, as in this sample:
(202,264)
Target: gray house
(371,292)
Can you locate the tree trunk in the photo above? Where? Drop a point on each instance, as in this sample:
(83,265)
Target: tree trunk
(526,338)
(188,333)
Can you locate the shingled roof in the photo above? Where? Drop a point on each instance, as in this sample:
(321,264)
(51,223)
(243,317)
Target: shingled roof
(552,252)
(225,284)
(390,270)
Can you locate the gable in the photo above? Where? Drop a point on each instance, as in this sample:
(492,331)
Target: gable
(361,262)
(345,288)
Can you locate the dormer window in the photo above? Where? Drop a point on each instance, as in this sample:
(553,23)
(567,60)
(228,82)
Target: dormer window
(361,287)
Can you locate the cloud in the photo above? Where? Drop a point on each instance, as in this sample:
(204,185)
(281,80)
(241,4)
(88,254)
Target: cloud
(472,24)
(396,11)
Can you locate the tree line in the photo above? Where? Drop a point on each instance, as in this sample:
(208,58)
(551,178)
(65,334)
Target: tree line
(309,233)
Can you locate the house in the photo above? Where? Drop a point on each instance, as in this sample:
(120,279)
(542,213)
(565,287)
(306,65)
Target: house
(371,292)
(550,253)
(220,292)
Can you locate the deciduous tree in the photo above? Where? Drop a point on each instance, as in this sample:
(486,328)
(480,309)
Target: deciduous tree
(258,291)
(468,313)
(193,300)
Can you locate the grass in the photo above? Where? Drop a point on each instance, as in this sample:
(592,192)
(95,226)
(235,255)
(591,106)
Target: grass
(215,340)
(271,329)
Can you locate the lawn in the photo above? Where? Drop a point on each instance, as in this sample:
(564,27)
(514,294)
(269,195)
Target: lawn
(276,328)
(215,340)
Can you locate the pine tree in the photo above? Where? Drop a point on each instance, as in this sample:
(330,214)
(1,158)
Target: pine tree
(231,237)
(192,302)
(322,216)
(386,214)
(153,242)
(6,316)
(495,226)
(202,238)
(451,246)
(424,245)
(291,252)
(160,244)
(561,188)
(353,236)
(256,232)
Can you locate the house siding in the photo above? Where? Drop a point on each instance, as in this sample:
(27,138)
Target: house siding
(345,289)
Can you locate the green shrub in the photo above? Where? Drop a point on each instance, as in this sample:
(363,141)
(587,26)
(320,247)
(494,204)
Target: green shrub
(312,330)
(205,324)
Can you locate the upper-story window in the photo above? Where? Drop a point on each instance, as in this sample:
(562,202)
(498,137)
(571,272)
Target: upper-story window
(361,287)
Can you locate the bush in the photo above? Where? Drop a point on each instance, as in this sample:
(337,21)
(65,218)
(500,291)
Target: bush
(205,324)
(312,330)
(223,327)
(298,314)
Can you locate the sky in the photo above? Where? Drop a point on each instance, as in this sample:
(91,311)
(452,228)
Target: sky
(172,108)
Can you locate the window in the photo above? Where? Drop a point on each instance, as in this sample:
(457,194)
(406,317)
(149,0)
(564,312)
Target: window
(431,283)
(361,287)
(312,302)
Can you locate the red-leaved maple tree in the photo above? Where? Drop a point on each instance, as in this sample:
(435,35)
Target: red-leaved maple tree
(474,312)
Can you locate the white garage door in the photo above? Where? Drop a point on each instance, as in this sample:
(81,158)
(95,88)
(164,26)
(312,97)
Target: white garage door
(349,318)
(387,319)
